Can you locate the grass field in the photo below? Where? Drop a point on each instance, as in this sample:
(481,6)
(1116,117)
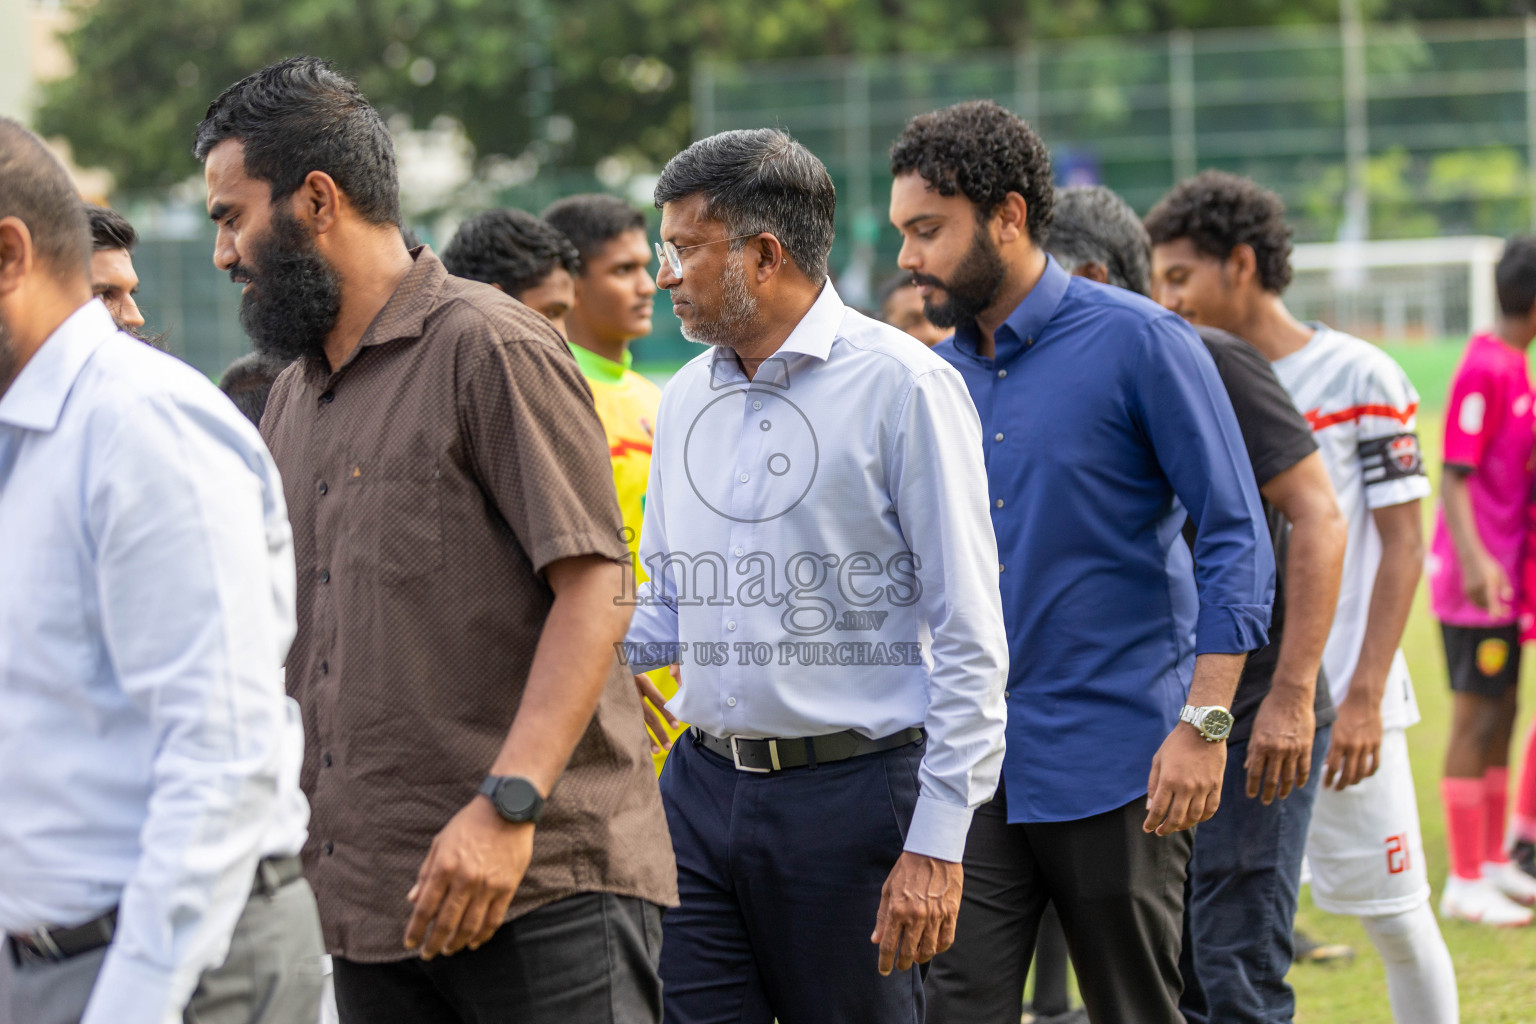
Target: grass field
(1495,968)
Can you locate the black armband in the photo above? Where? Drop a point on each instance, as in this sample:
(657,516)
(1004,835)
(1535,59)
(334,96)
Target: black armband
(1394,457)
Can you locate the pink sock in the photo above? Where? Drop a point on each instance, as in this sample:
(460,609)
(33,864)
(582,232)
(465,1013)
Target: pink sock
(1495,809)
(1464,825)
(1525,796)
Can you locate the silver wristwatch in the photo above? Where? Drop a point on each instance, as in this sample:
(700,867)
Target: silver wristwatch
(1213,722)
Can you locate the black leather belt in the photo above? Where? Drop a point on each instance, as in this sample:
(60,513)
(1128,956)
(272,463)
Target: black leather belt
(55,945)
(772,755)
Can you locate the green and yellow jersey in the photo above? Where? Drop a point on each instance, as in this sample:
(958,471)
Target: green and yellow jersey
(627,403)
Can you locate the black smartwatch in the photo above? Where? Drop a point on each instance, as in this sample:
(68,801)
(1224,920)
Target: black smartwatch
(514,797)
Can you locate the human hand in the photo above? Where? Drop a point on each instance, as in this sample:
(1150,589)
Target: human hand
(468,879)
(919,905)
(654,706)
(1184,787)
(1280,749)
(1355,752)
(1487,585)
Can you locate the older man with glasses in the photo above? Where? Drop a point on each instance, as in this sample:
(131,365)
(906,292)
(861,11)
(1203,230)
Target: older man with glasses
(821,561)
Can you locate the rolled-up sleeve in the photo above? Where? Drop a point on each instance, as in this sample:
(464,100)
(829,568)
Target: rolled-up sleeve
(939,482)
(195,580)
(1185,411)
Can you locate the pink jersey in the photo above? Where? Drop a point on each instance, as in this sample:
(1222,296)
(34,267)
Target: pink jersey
(1490,428)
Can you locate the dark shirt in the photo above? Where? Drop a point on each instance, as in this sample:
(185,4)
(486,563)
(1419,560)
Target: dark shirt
(1103,420)
(430,481)
(1277,438)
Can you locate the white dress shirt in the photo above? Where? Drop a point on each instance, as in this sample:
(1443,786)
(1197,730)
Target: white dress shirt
(821,556)
(148,755)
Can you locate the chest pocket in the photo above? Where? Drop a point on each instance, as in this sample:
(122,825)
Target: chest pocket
(400,516)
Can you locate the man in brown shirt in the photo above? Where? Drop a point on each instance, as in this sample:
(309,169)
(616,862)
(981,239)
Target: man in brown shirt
(458,550)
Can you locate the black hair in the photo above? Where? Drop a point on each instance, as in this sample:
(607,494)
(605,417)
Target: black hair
(592,220)
(1217,212)
(509,248)
(755,181)
(1094,225)
(894,284)
(981,151)
(248,382)
(110,229)
(298,116)
(1515,276)
(36,189)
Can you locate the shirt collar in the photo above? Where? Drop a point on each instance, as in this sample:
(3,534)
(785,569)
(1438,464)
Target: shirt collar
(1028,318)
(405,314)
(812,336)
(35,399)
(596,367)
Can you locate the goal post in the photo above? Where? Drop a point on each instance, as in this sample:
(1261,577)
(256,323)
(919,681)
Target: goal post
(1398,290)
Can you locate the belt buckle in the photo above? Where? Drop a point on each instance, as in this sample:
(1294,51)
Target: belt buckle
(773,754)
(41,947)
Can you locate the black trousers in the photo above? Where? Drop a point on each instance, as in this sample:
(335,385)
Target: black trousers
(587,958)
(1120,894)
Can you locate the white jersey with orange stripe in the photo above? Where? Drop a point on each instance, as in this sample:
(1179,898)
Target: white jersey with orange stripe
(1362,409)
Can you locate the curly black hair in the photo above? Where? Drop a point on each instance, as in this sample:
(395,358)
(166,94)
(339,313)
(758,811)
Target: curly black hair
(1217,212)
(982,151)
(510,248)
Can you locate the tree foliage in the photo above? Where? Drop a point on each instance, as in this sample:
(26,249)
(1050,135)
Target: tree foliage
(615,73)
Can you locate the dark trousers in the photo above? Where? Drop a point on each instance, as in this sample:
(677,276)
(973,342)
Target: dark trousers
(588,958)
(779,877)
(1244,877)
(1120,894)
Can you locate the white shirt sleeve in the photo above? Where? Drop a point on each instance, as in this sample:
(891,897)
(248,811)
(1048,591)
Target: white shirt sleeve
(1389,410)
(939,482)
(192,569)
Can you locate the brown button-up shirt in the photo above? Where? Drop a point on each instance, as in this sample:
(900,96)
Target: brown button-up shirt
(430,480)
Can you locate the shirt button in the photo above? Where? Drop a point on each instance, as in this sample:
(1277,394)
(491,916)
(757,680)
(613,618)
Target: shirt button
(325,668)
(999,503)
(998,436)
(1005,695)
(329,847)
(731,624)
(325,575)
(328,397)
(757,405)
(739,552)
(1028,342)
(999,566)
(743,478)
(325,759)
(730,702)
(323,487)
(1002,373)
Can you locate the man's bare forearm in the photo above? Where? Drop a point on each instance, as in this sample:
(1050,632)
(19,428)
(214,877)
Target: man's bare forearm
(1314,563)
(570,668)
(1456,500)
(1215,680)
(1397,577)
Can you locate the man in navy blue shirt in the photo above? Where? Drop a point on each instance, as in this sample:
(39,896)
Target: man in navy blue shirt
(1105,427)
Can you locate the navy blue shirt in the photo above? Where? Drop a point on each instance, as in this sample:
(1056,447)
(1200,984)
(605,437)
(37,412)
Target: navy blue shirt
(1103,421)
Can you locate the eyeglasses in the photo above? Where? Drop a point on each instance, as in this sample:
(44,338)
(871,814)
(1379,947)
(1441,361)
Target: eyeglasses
(672,255)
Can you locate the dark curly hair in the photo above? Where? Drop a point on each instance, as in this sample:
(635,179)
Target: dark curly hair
(510,248)
(300,115)
(1217,212)
(981,151)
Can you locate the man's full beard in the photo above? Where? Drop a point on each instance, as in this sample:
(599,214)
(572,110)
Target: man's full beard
(295,294)
(971,288)
(737,312)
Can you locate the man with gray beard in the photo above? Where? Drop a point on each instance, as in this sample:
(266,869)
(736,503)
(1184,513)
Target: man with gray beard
(822,563)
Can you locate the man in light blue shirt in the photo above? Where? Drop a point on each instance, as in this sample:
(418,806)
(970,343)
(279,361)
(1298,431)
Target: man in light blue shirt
(150,816)
(822,563)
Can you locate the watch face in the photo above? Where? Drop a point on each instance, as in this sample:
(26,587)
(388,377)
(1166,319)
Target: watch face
(1216,724)
(516,799)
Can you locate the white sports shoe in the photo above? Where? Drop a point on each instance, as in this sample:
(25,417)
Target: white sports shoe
(1512,882)
(1479,902)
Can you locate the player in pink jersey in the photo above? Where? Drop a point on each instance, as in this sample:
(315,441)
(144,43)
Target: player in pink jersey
(1474,573)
